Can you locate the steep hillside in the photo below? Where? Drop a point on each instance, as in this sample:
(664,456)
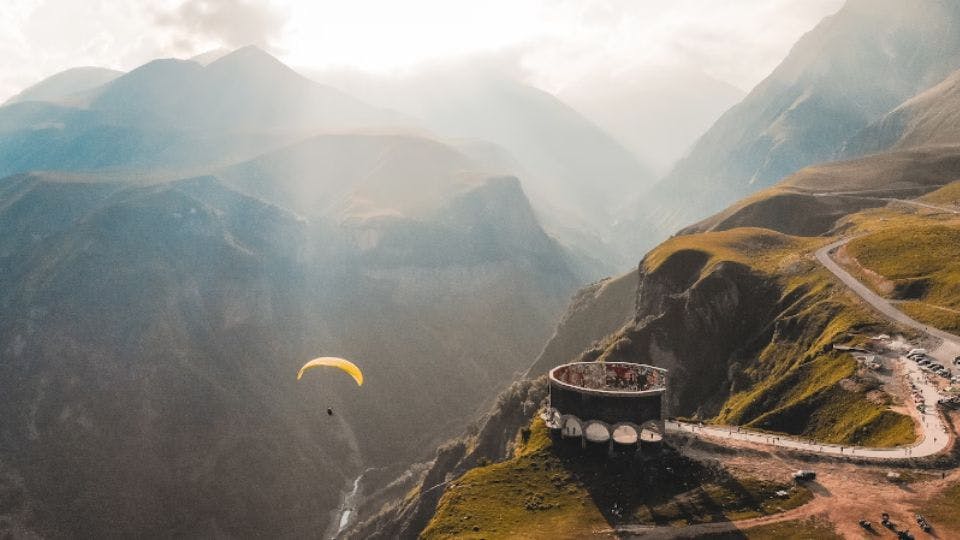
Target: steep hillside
(853,68)
(595,312)
(929,119)
(811,201)
(148,363)
(909,253)
(742,315)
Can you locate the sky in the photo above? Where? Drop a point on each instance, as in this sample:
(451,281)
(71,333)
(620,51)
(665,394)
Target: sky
(553,42)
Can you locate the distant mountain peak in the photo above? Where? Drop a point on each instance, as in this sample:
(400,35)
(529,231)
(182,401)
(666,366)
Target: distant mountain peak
(208,57)
(251,60)
(62,86)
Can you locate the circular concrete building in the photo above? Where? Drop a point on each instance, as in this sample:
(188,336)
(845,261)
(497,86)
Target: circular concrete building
(608,402)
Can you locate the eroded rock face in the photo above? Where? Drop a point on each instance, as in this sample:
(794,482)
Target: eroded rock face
(694,320)
(698,331)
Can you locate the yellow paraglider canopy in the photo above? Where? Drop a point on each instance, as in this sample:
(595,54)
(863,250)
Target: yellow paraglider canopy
(332,361)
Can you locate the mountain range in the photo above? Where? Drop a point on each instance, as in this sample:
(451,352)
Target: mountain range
(180,238)
(852,135)
(153,322)
(848,72)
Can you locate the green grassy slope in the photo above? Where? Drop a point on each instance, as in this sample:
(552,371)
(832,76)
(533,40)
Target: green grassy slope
(788,379)
(553,490)
(913,254)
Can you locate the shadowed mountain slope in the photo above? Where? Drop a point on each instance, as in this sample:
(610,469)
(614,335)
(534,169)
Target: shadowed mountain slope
(929,119)
(153,334)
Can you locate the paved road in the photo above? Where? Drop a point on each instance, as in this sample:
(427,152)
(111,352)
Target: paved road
(934,438)
(879,303)
(865,195)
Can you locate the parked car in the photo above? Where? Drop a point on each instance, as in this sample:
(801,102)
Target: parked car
(916,351)
(923,362)
(804,475)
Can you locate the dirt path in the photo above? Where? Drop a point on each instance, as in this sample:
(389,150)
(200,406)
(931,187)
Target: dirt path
(843,494)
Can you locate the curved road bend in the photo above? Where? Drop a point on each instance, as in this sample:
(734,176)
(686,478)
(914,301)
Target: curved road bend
(881,304)
(934,438)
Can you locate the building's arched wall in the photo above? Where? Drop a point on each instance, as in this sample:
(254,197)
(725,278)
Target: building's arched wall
(610,408)
(625,433)
(571,426)
(596,431)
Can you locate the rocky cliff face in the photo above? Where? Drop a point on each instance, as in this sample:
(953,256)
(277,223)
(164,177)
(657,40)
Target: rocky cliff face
(695,321)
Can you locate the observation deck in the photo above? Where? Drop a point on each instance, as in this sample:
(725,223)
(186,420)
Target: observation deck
(600,402)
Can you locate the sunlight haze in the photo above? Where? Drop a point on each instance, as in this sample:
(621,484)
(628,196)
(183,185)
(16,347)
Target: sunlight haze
(554,41)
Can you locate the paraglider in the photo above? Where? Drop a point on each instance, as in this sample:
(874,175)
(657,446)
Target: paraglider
(330,361)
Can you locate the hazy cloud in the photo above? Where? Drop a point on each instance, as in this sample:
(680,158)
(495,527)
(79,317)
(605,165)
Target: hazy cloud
(736,41)
(231,23)
(557,42)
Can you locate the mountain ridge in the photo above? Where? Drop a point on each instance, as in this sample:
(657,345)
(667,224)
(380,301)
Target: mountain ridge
(813,101)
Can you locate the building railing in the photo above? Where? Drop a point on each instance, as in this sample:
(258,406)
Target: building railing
(610,378)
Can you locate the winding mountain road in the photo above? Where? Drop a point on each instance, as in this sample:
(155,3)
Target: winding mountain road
(877,302)
(866,196)
(935,436)
(945,352)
